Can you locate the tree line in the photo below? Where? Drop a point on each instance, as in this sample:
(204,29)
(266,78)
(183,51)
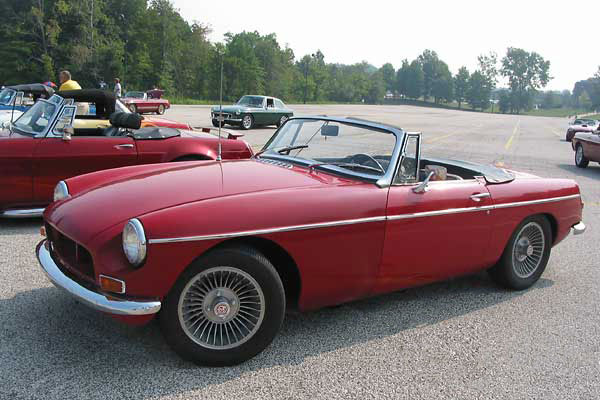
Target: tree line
(148,43)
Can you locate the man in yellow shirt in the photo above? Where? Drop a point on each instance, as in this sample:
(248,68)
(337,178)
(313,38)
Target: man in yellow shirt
(66,83)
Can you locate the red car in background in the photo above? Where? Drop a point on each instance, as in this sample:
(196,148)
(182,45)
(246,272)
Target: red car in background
(145,102)
(45,145)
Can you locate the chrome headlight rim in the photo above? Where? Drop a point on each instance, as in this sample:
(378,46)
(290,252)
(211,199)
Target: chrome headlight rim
(135,226)
(61,191)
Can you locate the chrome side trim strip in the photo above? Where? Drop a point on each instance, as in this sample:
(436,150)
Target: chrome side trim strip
(88,297)
(269,230)
(360,221)
(31,213)
(541,201)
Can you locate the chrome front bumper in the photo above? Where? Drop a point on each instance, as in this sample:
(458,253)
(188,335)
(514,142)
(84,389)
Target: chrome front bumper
(578,228)
(91,298)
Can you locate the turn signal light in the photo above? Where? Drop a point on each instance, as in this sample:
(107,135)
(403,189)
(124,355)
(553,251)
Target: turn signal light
(113,285)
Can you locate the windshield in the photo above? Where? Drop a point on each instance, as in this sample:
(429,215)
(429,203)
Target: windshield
(121,107)
(322,143)
(6,96)
(252,101)
(135,95)
(36,119)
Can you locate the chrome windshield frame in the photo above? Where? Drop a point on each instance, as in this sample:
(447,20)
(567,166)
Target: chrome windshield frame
(382,181)
(51,119)
(13,93)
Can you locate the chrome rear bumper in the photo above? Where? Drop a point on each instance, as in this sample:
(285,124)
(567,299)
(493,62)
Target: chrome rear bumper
(578,228)
(91,298)
(22,213)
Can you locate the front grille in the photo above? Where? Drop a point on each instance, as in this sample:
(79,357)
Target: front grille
(226,116)
(71,255)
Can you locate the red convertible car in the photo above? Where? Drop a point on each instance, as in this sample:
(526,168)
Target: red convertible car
(36,152)
(331,210)
(144,102)
(587,147)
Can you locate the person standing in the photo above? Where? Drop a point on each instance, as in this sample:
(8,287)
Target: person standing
(117,87)
(66,83)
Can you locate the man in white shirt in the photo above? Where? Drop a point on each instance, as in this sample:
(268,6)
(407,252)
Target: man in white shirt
(117,87)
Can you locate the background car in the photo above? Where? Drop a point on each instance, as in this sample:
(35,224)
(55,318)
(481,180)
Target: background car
(251,111)
(581,125)
(100,104)
(14,100)
(587,147)
(330,211)
(141,102)
(39,150)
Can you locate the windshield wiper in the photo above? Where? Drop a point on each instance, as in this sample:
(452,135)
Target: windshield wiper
(347,166)
(283,149)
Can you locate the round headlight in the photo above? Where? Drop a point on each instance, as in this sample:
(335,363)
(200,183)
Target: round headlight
(61,191)
(134,242)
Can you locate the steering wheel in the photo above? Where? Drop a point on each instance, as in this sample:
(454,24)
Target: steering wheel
(369,160)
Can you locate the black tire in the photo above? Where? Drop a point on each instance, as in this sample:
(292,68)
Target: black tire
(282,120)
(161,109)
(247,122)
(215,123)
(580,159)
(132,108)
(509,272)
(243,261)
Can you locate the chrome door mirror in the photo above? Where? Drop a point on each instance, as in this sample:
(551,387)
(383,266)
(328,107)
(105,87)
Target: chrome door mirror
(68,133)
(422,187)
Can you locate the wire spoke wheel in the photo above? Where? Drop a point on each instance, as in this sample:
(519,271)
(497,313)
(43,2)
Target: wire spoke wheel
(528,250)
(221,308)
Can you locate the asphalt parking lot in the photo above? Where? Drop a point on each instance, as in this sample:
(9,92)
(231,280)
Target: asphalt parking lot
(461,339)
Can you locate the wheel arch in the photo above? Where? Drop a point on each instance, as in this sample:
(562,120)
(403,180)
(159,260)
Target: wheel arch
(282,261)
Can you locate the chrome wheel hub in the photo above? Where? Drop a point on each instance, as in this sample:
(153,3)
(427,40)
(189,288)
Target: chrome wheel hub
(247,121)
(528,250)
(579,154)
(221,308)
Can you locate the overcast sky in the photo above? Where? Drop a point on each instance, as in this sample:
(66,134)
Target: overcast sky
(565,32)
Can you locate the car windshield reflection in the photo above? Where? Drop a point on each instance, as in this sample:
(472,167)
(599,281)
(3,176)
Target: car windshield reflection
(36,119)
(251,101)
(318,143)
(6,96)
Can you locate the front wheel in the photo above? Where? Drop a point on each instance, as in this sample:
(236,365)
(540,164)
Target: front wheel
(161,109)
(215,123)
(132,108)
(526,255)
(225,308)
(580,159)
(247,122)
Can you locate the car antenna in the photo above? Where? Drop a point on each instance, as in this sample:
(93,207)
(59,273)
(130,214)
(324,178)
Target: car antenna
(220,109)
(14,104)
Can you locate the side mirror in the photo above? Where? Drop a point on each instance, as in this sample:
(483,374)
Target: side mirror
(68,133)
(422,187)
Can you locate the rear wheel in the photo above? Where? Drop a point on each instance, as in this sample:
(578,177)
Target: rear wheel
(282,120)
(161,109)
(526,255)
(247,122)
(225,308)
(580,159)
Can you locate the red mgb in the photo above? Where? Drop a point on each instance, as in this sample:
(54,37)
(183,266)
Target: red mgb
(331,210)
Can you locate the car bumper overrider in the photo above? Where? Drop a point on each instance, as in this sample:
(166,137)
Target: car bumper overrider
(99,301)
(578,228)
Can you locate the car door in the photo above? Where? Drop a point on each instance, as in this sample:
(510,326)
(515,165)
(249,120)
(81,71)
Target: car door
(56,158)
(261,114)
(16,178)
(591,146)
(441,231)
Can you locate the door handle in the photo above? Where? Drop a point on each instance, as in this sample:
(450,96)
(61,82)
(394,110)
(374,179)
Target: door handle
(479,196)
(124,146)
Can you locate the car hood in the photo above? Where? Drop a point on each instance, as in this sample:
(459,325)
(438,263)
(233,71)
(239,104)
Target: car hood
(235,108)
(104,199)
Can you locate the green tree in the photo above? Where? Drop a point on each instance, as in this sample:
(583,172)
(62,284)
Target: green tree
(442,88)
(526,72)
(389,77)
(461,84)
(402,78)
(414,80)
(478,93)
(429,63)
